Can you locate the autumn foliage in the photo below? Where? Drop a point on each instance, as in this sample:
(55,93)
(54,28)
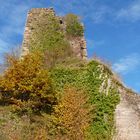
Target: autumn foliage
(73,114)
(26,83)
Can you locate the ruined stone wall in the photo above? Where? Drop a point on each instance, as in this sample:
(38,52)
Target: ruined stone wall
(78,44)
(33,15)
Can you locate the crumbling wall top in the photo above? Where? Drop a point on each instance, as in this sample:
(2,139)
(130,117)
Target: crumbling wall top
(78,45)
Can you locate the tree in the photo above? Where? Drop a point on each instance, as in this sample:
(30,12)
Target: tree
(26,84)
(73,115)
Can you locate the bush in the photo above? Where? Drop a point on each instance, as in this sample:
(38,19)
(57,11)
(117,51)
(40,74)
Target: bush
(26,84)
(57,55)
(73,115)
(73,26)
(13,127)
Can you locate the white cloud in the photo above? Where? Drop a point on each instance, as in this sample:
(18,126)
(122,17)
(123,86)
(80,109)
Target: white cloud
(3,49)
(15,20)
(96,12)
(100,14)
(94,43)
(131,12)
(12,17)
(89,10)
(3,45)
(127,64)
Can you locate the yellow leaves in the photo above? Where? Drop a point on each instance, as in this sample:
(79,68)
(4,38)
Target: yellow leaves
(73,116)
(27,80)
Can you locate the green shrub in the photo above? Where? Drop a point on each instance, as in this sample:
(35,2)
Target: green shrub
(73,26)
(87,78)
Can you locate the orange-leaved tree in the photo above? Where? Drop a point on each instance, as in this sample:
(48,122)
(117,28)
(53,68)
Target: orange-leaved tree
(27,84)
(73,115)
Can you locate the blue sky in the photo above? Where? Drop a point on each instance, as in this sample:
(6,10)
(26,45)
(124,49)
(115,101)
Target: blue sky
(112,30)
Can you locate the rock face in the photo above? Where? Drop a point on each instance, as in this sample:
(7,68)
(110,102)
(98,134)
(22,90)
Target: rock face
(127,117)
(78,44)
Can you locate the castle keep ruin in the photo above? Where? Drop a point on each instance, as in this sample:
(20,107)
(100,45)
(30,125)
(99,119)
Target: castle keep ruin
(78,44)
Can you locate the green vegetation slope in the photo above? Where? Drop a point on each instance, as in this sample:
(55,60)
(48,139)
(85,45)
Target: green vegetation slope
(52,95)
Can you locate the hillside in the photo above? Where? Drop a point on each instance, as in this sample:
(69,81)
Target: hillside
(53,92)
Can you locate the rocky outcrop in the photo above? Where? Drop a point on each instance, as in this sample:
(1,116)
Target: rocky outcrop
(127,116)
(127,112)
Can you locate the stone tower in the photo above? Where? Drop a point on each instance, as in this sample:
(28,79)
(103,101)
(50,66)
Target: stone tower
(78,44)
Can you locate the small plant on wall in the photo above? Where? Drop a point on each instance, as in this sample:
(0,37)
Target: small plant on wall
(73,26)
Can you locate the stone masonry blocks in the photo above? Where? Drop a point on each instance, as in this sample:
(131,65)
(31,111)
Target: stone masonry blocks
(78,44)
